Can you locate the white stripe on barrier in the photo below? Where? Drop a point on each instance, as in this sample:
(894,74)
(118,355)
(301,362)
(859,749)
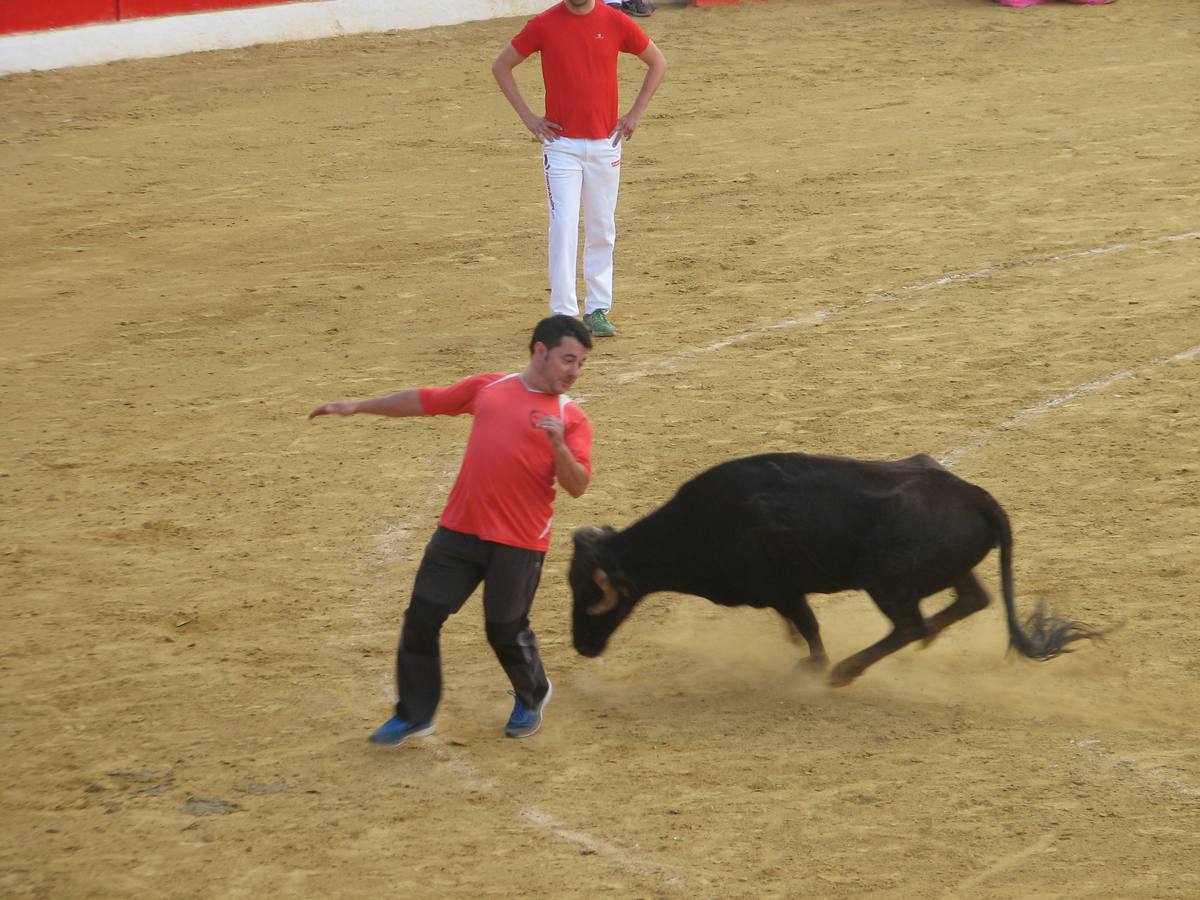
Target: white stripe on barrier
(91,45)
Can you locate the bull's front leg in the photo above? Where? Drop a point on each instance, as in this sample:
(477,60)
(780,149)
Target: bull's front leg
(802,625)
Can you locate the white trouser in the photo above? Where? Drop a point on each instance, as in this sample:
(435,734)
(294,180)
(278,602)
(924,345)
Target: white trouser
(588,171)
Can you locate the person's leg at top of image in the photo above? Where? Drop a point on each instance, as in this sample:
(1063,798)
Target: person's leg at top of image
(562,162)
(601,184)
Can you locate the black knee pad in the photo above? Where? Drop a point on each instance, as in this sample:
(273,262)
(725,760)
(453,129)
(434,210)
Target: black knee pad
(422,625)
(508,634)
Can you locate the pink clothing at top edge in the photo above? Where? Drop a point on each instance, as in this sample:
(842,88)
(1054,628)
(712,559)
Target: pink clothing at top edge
(1021,4)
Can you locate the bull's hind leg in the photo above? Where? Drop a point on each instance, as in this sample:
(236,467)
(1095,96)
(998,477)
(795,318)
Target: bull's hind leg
(969,598)
(905,613)
(802,624)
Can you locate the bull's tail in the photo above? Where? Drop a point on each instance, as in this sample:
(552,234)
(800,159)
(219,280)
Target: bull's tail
(1043,636)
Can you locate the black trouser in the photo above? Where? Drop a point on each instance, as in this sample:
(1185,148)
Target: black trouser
(452,568)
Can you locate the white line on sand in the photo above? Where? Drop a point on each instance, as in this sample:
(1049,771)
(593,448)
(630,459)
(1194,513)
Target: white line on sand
(470,778)
(953,457)
(1164,775)
(667,363)
(1041,845)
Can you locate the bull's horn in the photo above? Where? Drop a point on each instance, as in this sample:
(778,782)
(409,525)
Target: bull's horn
(610,595)
(587,533)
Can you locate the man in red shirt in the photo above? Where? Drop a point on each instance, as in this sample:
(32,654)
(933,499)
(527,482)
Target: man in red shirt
(581,135)
(527,435)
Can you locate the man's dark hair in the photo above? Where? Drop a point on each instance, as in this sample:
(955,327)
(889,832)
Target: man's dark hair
(551,331)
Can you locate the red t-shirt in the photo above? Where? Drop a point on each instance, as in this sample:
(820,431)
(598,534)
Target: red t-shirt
(579,64)
(505,487)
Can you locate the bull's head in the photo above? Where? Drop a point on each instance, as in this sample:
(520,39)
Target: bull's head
(603,596)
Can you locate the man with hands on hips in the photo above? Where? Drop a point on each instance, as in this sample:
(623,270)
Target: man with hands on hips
(581,136)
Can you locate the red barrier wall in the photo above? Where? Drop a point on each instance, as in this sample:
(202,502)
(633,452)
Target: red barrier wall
(131,9)
(39,15)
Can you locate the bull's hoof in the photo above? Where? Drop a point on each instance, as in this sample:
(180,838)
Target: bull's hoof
(815,664)
(841,676)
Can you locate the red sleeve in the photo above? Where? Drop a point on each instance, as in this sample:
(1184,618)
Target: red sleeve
(633,39)
(578,435)
(456,399)
(530,39)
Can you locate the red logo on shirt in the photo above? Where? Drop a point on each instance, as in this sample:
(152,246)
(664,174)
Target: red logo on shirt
(535,416)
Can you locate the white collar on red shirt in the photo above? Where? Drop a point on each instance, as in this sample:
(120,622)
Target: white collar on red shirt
(563,399)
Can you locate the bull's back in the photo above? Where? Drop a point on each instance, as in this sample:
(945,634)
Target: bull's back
(805,486)
(826,524)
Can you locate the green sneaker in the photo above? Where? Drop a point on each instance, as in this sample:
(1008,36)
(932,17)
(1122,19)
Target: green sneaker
(597,323)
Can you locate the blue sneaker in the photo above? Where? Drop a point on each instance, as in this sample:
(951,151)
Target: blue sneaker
(526,720)
(395,731)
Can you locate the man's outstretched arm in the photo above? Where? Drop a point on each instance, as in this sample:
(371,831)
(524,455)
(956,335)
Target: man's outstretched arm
(402,403)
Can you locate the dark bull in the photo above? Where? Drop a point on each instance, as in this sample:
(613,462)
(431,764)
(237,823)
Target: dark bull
(766,531)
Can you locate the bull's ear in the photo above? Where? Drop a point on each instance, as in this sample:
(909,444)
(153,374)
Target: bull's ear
(610,598)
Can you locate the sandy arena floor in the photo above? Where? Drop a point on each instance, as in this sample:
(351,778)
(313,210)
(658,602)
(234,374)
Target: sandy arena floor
(867,228)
